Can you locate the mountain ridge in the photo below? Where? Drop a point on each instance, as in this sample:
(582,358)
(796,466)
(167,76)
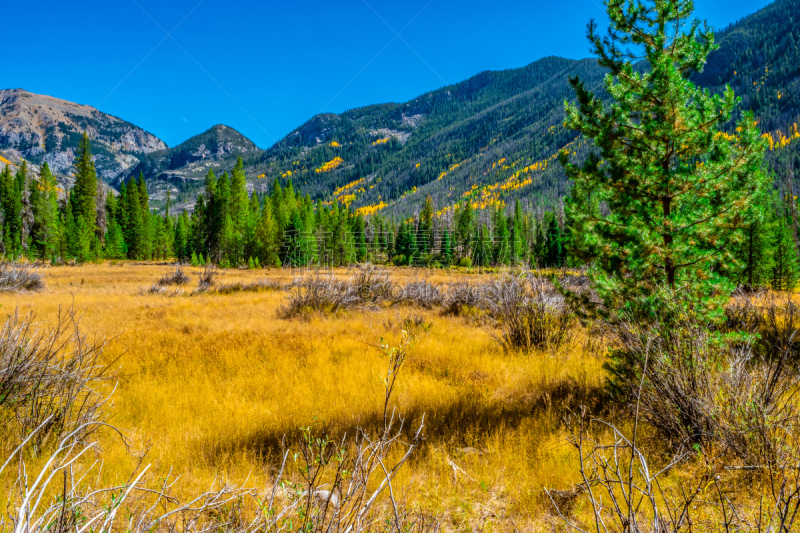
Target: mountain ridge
(42,128)
(490,139)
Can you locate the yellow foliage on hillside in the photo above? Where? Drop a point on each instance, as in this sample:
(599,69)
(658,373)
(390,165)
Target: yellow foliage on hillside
(350,185)
(330,165)
(780,140)
(368,210)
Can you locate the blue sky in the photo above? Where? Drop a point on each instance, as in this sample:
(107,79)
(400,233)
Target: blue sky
(265,67)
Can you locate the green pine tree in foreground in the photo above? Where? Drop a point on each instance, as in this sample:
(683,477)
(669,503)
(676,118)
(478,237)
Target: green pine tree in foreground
(675,186)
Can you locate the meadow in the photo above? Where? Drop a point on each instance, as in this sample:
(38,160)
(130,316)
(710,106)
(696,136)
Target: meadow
(210,384)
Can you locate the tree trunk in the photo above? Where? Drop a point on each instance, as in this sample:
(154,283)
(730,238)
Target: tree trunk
(669,265)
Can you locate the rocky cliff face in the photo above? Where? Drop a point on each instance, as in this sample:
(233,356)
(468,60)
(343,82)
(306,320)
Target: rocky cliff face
(42,128)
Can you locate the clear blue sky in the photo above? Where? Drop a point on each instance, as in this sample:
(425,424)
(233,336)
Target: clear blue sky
(265,67)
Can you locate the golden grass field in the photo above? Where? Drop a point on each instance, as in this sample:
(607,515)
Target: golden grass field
(211,383)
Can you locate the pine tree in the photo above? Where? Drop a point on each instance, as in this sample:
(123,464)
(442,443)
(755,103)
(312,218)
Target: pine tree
(45,213)
(784,252)
(266,237)
(361,239)
(502,240)
(133,222)
(517,229)
(539,248)
(402,244)
(674,186)
(238,208)
(83,196)
(425,237)
(181,241)
(754,252)
(464,228)
(554,254)
(482,256)
(447,248)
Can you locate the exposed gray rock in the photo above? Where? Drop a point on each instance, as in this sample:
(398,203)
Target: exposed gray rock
(42,128)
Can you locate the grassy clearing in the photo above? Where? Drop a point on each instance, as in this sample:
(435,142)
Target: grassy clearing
(211,383)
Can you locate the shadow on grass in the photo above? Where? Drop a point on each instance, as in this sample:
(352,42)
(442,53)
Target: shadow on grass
(472,415)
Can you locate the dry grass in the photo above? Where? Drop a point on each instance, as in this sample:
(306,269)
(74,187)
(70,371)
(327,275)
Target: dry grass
(212,382)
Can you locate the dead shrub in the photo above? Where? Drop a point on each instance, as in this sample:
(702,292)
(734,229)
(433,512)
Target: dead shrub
(421,294)
(178,277)
(462,296)
(696,386)
(529,311)
(48,377)
(319,293)
(206,280)
(17,276)
(371,284)
(624,490)
(778,325)
(253,286)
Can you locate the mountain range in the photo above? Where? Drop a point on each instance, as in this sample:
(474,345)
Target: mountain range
(490,139)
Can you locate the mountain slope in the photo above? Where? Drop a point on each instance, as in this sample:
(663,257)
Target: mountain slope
(443,143)
(759,57)
(490,139)
(42,128)
(183,168)
(494,138)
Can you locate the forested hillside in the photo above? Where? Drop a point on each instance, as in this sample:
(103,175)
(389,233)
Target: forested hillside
(759,57)
(495,137)
(473,137)
(184,167)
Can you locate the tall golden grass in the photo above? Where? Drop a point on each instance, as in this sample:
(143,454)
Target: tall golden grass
(211,383)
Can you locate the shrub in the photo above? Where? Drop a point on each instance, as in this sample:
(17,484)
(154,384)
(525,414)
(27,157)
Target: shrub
(178,277)
(622,492)
(318,293)
(465,262)
(254,286)
(422,294)
(371,284)
(462,296)
(399,260)
(696,385)
(48,377)
(16,276)
(529,311)
(207,279)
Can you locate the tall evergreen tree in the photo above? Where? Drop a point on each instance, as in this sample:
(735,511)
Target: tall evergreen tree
(45,213)
(675,187)
(83,196)
(784,252)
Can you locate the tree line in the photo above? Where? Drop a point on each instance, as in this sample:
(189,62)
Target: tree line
(232,227)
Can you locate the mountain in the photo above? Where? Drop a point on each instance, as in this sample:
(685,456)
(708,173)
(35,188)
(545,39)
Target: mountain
(759,57)
(491,139)
(41,128)
(182,169)
(495,137)
(458,139)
